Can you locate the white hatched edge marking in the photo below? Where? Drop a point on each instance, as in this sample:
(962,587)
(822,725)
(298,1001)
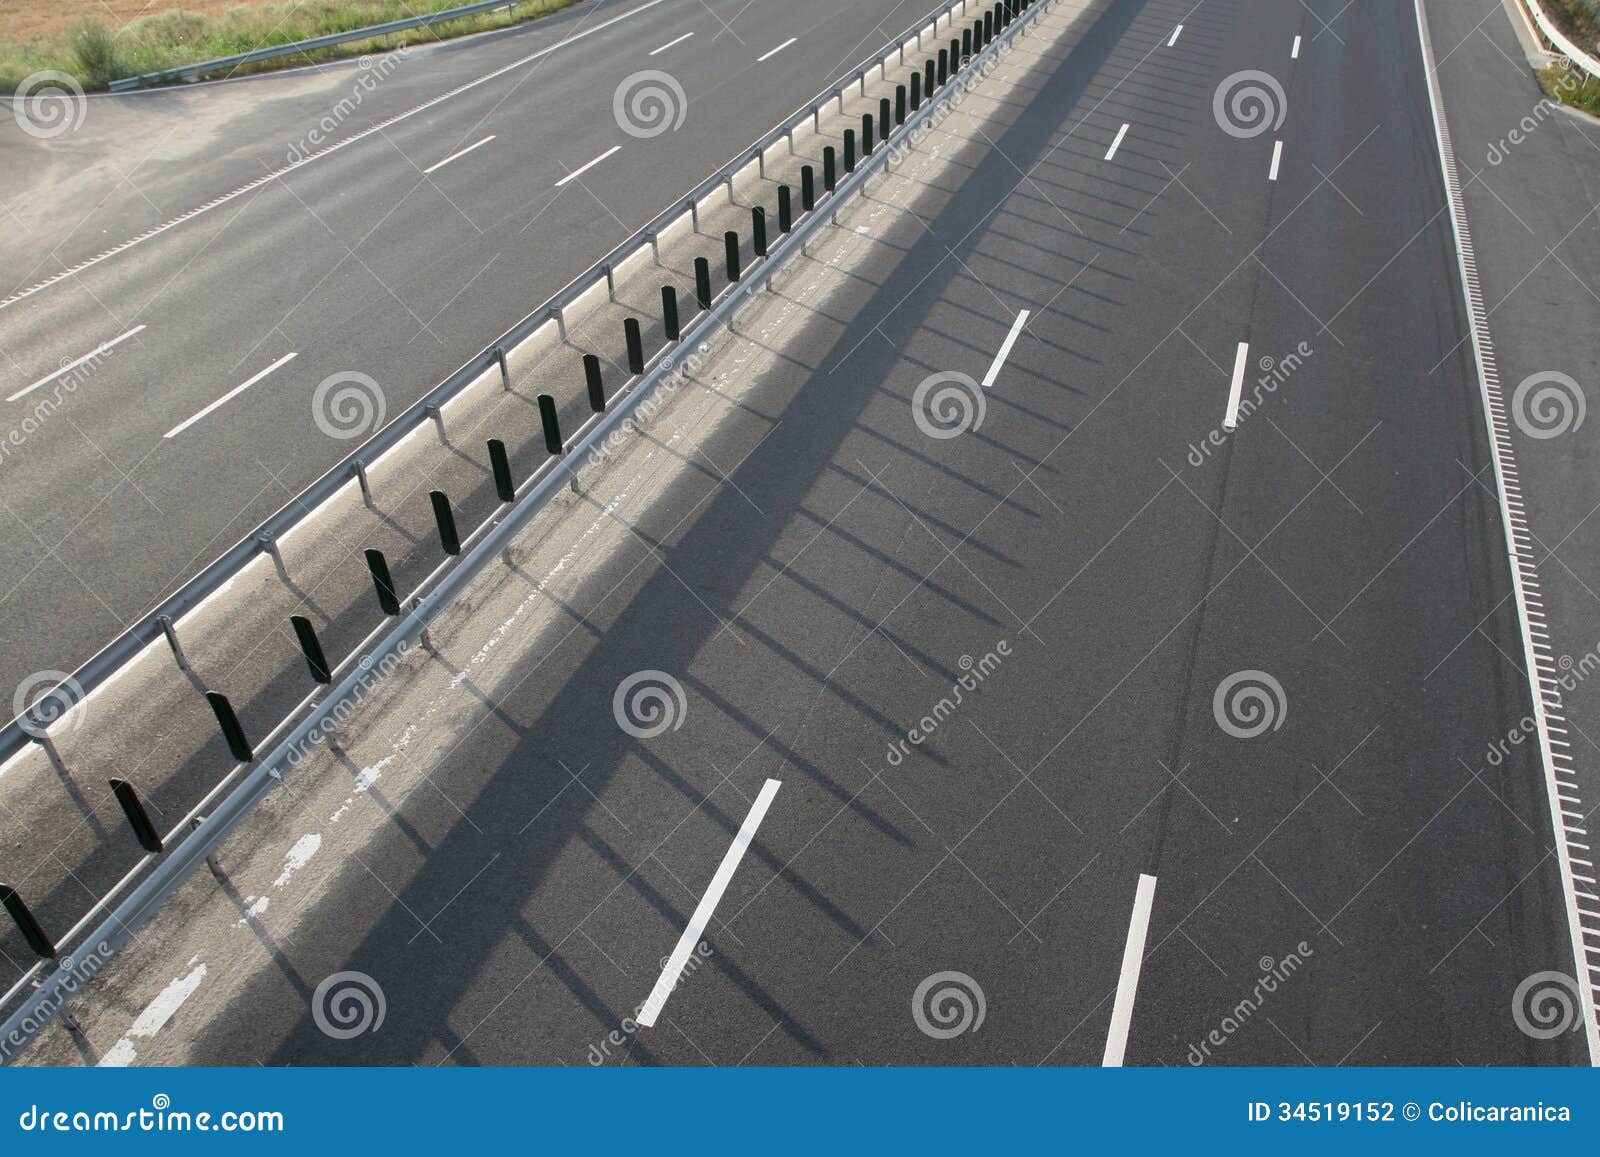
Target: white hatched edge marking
(1546,699)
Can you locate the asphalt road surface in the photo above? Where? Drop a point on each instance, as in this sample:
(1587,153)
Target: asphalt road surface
(397,255)
(1220,573)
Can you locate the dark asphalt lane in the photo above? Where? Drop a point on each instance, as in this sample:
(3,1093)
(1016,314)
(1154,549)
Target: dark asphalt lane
(1335,550)
(359,261)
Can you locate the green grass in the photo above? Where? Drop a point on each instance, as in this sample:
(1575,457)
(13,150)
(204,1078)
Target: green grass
(95,55)
(1579,19)
(1571,86)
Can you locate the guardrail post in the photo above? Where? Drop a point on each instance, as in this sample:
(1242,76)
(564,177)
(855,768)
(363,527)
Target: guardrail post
(165,623)
(228,721)
(702,282)
(311,649)
(944,66)
(827,169)
(730,247)
(423,635)
(437,414)
(558,316)
(655,246)
(500,359)
(552,425)
(360,471)
(966,44)
(988,28)
(785,214)
(381,582)
(611,284)
(694,215)
(808,188)
(445,517)
(849,150)
(916,91)
(504,488)
(669,313)
(899,104)
(41,738)
(630,331)
(928,73)
(866,134)
(30,928)
(883,112)
(758,230)
(269,545)
(138,819)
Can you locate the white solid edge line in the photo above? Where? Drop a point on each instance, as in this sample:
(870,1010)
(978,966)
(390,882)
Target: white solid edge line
(457,156)
(1277,156)
(576,173)
(1128,981)
(708,904)
(1586,987)
(228,397)
(1175,32)
(90,356)
(774,52)
(1230,419)
(1294,52)
(1005,349)
(670,43)
(189,215)
(1117,143)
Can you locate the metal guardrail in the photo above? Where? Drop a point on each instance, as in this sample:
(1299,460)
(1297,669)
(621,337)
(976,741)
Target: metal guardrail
(1570,50)
(372,31)
(170,859)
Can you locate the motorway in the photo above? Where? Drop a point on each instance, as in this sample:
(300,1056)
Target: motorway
(1221,571)
(397,255)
